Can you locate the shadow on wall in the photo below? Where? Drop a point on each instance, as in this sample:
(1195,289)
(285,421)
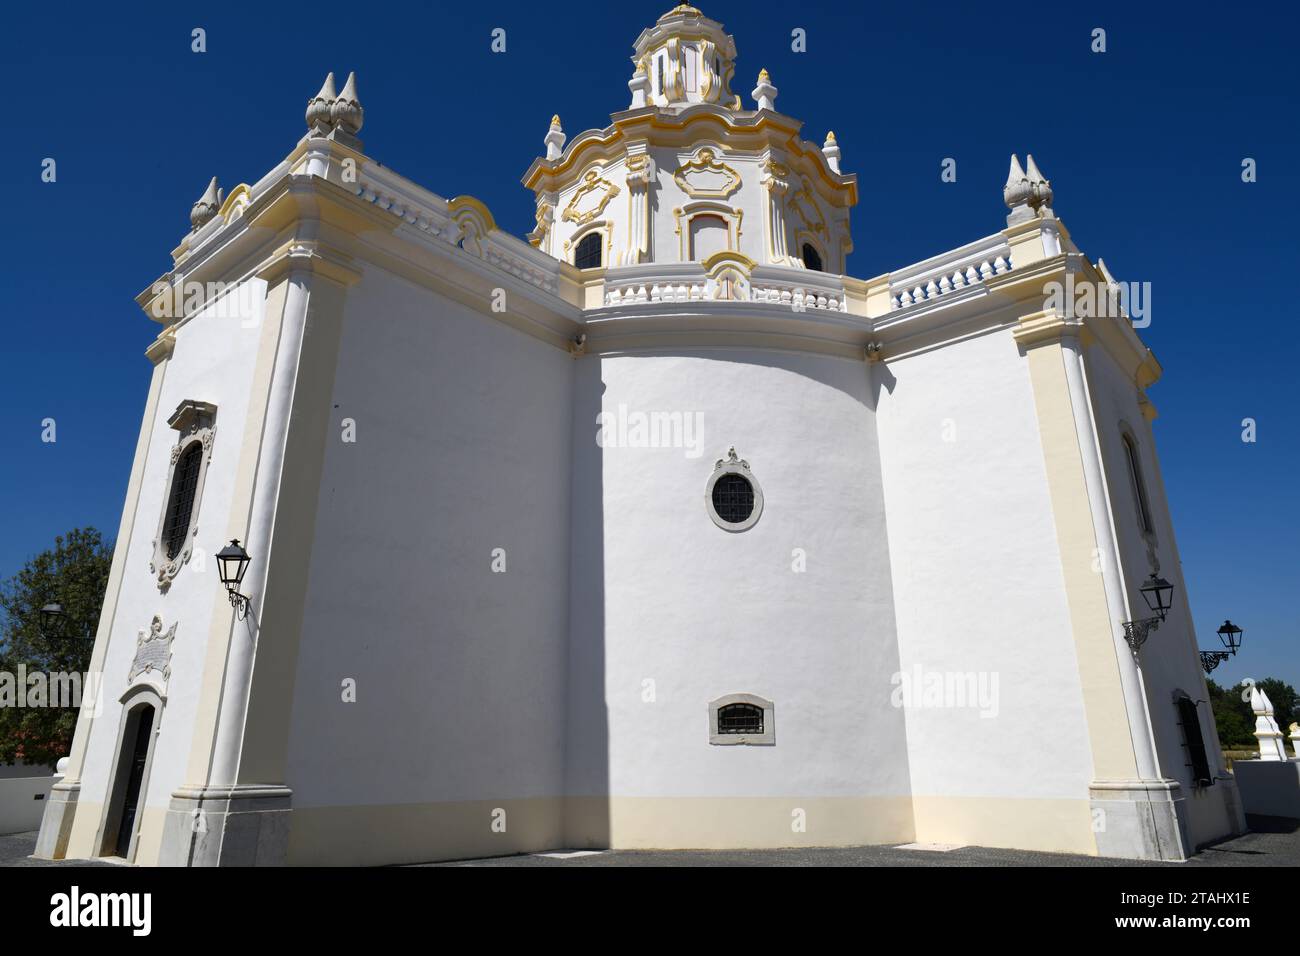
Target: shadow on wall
(586,770)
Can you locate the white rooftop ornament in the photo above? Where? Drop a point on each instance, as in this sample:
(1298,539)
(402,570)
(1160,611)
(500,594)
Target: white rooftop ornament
(765,93)
(318,107)
(203,210)
(1042,187)
(554,139)
(1266,730)
(831,150)
(640,87)
(1018,194)
(346,112)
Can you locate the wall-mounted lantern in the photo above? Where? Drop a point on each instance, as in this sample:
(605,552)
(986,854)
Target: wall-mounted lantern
(1230,638)
(1159,595)
(232,562)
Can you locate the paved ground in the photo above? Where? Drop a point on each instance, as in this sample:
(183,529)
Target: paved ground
(16,850)
(1274,842)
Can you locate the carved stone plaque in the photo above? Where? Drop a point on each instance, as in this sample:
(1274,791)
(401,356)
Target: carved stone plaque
(153,652)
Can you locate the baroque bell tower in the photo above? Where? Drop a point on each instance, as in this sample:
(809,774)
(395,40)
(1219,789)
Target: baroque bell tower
(689,182)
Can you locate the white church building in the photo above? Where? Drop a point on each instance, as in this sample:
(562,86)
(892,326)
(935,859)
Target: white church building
(653,529)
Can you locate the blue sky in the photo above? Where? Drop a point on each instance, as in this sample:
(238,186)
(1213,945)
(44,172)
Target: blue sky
(1143,144)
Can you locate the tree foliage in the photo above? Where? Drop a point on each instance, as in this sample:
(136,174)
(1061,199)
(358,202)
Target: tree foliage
(1233,717)
(74,573)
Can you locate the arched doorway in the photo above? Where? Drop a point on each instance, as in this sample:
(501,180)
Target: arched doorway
(125,806)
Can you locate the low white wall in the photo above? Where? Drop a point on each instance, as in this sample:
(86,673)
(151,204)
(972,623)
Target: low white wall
(20,808)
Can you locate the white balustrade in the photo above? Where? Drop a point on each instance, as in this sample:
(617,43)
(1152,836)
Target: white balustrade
(959,269)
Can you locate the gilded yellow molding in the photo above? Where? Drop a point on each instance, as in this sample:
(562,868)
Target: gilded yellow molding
(805,207)
(683,215)
(241,195)
(592,181)
(469,202)
(771,129)
(705,161)
(728,256)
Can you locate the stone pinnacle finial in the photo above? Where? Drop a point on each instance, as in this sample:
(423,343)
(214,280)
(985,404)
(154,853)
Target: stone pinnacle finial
(554,139)
(1018,194)
(346,112)
(1041,185)
(318,107)
(203,210)
(765,93)
(831,150)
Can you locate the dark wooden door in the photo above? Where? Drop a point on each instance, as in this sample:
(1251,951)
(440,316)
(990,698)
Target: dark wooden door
(135,777)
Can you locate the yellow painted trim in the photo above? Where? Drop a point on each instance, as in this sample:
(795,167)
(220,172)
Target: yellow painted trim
(683,215)
(1047,825)
(469,202)
(1109,738)
(240,192)
(607,143)
(723,256)
(705,160)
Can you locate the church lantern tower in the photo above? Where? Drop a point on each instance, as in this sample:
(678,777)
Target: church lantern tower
(690,187)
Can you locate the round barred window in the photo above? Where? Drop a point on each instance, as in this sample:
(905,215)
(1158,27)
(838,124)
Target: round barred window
(732,496)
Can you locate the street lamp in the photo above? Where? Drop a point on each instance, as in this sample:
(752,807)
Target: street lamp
(1230,638)
(57,625)
(232,562)
(1159,595)
(54,622)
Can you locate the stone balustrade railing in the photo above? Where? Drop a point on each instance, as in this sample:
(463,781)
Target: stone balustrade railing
(967,266)
(687,282)
(429,213)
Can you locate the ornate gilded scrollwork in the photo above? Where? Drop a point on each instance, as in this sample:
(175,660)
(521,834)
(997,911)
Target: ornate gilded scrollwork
(705,178)
(805,207)
(590,199)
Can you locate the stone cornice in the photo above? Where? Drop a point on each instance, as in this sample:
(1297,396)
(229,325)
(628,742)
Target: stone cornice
(752,130)
(1114,334)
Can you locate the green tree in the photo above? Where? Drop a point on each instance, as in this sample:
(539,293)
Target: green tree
(74,573)
(1232,716)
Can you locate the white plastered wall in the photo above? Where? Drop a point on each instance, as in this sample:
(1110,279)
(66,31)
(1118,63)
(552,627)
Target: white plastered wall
(978,589)
(212,362)
(671,612)
(462,447)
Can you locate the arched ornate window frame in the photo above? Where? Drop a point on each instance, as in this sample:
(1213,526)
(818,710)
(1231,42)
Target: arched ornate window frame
(684,213)
(196,422)
(136,697)
(802,236)
(733,464)
(600,242)
(602,226)
(766,739)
